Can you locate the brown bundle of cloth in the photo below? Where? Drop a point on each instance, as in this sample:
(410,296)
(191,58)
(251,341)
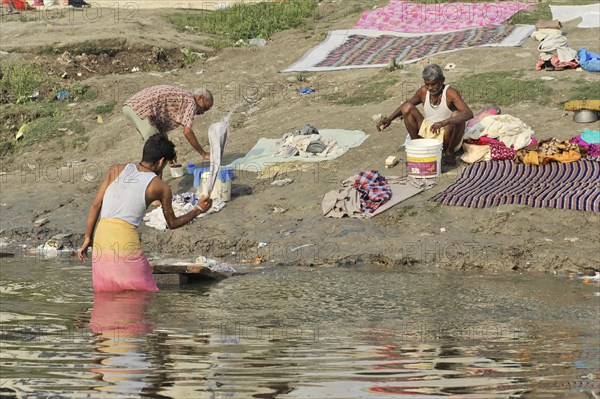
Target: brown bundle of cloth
(550,150)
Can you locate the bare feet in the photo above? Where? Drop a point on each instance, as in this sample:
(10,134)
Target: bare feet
(449,159)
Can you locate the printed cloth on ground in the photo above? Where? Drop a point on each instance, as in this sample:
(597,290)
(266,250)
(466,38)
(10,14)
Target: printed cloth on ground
(347,49)
(345,201)
(404,16)
(374,190)
(573,186)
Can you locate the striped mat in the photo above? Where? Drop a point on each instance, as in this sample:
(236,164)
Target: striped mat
(574,185)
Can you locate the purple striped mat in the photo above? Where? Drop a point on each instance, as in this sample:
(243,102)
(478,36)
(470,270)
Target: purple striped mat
(574,185)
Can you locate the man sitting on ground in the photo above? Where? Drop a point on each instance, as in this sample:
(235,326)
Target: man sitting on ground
(445,113)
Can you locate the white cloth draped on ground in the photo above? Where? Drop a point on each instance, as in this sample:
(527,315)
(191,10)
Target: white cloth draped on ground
(506,128)
(590,14)
(299,145)
(263,153)
(345,201)
(556,44)
(359,48)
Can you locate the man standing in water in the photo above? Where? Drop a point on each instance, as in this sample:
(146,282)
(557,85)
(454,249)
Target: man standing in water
(445,111)
(118,262)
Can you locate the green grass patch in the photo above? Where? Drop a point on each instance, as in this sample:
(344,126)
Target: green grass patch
(502,88)
(46,129)
(365,92)
(247,21)
(541,11)
(584,90)
(20,81)
(105,108)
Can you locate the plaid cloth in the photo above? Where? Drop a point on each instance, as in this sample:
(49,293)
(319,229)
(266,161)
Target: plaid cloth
(374,190)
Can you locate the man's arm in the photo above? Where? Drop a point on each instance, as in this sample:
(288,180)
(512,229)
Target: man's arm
(95,208)
(456,101)
(160,190)
(191,137)
(414,100)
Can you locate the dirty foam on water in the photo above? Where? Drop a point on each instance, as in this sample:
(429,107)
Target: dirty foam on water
(299,333)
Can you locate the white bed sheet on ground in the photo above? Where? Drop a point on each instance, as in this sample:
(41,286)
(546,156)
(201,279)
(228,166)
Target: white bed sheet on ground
(590,14)
(262,154)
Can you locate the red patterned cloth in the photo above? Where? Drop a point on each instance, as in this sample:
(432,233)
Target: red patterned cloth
(374,190)
(165,107)
(498,150)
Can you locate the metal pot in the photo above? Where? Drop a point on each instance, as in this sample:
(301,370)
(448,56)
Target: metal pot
(585,116)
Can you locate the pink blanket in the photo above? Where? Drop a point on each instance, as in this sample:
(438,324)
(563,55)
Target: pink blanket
(403,16)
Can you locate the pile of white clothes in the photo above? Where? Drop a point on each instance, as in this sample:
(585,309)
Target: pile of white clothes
(510,130)
(306,143)
(182,204)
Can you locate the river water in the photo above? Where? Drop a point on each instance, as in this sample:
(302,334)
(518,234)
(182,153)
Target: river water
(364,332)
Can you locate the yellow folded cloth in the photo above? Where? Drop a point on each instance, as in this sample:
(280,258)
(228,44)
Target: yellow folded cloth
(577,105)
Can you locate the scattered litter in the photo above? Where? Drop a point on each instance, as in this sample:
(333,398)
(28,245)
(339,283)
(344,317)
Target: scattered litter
(262,244)
(259,259)
(301,246)
(571,239)
(257,42)
(216,57)
(200,72)
(40,222)
(391,161)
(443,230)
(79,74)
(216,207)
(64,75)
(523,55)
(62,95)
(55,245)
(21,131)
(377,117)
(214,265)
(279,209)
(450,66)
(100,119)
(392,65)
(547,78)
(34,95)
(135,69)
(306,90)
(71,104)
(425,234)
(62,129)
(589,279)
(282,182)
(89,177)
(548,239)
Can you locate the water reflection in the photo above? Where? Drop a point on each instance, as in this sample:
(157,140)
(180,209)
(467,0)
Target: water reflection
(299,334)
(119,321)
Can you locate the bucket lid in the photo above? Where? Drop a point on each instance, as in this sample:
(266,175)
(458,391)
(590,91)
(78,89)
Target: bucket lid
(225,174)
(424,143)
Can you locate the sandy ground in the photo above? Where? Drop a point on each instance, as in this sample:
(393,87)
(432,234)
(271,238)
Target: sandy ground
(47,181)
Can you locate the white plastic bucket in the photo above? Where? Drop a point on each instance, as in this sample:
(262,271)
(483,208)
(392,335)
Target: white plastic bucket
(424,158)
(221,190)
